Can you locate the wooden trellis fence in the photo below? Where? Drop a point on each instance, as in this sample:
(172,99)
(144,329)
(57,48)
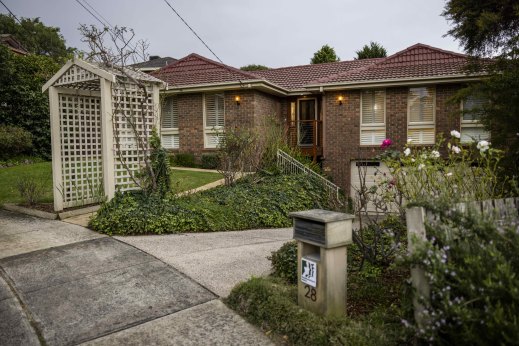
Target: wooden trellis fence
(97,114)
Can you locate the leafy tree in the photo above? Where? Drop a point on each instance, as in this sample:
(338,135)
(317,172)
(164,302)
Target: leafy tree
(36,37)
(373,50)
(253,67)
(21,101)
(325,54)
(485,29)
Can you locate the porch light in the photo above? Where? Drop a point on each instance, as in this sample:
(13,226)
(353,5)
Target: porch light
(340,99)
(237,99)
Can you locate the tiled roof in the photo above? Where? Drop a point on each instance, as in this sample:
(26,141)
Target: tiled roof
(154,63)
(195,69)
(296,77)
(416,61)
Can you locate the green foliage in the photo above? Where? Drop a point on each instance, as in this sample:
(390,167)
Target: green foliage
(14,141)
(373,50)
(471,264)
(256,202)
(36,37)
(324,55)
(284,262)
(160,164)
(491,29)
(235,150)
(31,190)
(378,243)
(272,305)
(210,161)
(484,27)
(469,172)
(19,161)
(183,160)
(21,101)
(253,67)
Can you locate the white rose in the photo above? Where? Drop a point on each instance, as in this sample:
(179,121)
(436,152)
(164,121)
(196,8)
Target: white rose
(407,151)
(483,146)
(456,134)
(455,149)
(435,154)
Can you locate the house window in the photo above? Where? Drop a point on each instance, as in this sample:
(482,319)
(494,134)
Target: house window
(213,119)
(373,117)
(471,127)
(169,123)
(421,115)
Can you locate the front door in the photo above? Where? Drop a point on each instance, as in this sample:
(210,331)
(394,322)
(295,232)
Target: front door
(307,114)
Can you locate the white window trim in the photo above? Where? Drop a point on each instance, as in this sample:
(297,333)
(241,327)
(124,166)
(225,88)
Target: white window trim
(170,130)
(468,123)
(419,125)
(376,126)
(213,129)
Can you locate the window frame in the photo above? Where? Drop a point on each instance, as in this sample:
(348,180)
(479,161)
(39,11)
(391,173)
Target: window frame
(373,126)
(469,124)
(422,125)
(170,131)
(212,130)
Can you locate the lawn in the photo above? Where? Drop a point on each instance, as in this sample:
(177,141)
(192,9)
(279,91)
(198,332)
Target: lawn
(186,180)
(42,172)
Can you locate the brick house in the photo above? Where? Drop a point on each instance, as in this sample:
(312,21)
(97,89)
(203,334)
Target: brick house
(339,112)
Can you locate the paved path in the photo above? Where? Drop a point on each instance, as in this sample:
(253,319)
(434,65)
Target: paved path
(73,286)
(217,260)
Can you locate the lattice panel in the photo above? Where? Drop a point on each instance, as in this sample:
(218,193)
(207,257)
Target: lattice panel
(78,77)
(81,156)
(130,103)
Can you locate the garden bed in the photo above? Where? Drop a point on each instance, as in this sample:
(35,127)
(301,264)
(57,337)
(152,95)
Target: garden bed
(254,202)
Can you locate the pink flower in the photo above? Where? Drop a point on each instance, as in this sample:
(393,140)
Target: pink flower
(386,143)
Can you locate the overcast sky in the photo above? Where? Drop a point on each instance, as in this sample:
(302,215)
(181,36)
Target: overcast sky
(269,32)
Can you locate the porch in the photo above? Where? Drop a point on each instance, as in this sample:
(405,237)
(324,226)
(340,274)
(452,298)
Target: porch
(305,126)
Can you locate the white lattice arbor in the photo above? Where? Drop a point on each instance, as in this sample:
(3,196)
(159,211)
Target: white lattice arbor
(100,120)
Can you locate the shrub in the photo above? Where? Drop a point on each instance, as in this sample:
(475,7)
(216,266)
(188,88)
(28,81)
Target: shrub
(471,264)
(183,160)
(210,161)
(272,305)
(235,150)
(284,262)
(30,190)
(160,164)
(467,173)
(14,141)
(250,203)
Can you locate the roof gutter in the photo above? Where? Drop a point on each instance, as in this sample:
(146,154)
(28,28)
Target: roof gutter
(394,82)
(246,84)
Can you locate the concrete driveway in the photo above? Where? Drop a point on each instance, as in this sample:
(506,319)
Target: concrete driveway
(61,284)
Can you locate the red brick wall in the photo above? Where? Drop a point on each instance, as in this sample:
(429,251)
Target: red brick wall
(342,127)
(191,124)
(254,105)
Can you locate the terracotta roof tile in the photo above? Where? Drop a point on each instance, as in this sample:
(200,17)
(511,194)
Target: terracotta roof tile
(296,77)
(195,69)
(416,61)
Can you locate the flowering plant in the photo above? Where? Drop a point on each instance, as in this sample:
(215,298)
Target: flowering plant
(466,172)
(470,264)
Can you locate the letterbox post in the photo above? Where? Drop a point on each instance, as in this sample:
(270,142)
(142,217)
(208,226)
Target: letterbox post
(322,237)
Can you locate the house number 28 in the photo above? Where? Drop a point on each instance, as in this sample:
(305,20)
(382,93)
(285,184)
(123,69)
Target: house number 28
(311,293)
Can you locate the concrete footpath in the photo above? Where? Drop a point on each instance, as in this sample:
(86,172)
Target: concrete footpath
(62,284)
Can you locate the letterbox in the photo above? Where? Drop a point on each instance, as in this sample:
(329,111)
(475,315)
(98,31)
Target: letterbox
(322,237)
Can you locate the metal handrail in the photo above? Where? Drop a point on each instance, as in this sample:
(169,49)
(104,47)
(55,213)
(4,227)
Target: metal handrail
(288,164)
